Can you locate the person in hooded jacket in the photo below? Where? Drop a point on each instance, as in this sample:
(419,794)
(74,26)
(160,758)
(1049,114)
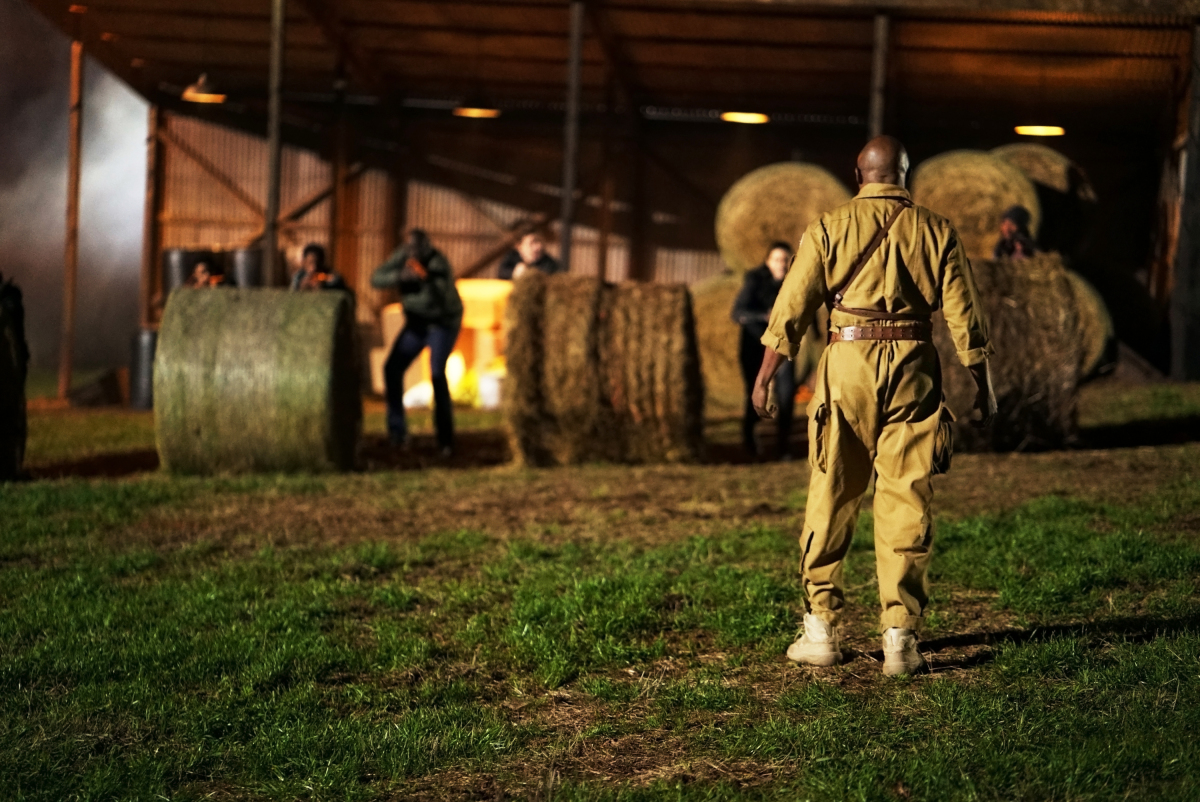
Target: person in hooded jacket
(433,314)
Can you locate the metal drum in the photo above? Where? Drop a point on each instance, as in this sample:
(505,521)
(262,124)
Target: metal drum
(141,369)
(244,267)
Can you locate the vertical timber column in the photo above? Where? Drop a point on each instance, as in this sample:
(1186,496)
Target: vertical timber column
(150,283)
(608,187)
(641,253)
(879,62)
(66,354)
(1185,297)
(337,201)
(571,134)
(272,269)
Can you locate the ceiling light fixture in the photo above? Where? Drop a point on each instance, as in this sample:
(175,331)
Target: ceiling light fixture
(746,117)
(203,91)
(1040,130)
(476,112)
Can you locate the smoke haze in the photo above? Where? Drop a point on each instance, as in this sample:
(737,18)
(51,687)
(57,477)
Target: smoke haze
(34,81)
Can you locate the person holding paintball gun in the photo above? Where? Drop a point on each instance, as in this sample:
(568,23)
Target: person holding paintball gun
(433,314)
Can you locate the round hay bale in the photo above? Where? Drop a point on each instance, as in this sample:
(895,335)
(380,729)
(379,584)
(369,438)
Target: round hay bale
(770,204)
(257,380)
(1065,194)
(1096,333)
(972,189)
(1046,166)
(1035,329)
(14,357)
(717,336)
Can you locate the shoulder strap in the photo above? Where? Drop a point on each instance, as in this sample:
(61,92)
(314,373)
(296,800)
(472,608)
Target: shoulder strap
(867,252)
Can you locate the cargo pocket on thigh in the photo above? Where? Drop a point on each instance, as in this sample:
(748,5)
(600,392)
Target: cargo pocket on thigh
(818,432)
(943,440)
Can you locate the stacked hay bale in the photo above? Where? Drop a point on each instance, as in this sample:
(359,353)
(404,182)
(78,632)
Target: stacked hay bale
(717,336)
(14,360)
(1096,333)
(601,372)
(1035,327)
(771,204)
(972,189)
(257,380)
(1065,195)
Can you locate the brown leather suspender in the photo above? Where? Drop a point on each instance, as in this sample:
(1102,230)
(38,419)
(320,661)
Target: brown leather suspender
(861,262)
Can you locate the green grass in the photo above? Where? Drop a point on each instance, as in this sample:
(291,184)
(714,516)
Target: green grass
(135,668)
(70,435)
(1105,404)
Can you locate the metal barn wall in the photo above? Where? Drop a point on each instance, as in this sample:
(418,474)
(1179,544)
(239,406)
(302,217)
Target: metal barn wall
(214,190)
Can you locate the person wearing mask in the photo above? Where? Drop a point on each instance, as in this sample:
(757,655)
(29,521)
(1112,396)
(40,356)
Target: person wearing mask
(314,274)
(751,311)
(433,314)
(530,254)
(204,277)
(1015,241)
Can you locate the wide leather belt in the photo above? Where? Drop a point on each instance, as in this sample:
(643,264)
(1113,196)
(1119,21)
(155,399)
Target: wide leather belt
(922,332)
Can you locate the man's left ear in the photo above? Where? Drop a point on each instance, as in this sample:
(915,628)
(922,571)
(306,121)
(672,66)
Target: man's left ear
(858,176)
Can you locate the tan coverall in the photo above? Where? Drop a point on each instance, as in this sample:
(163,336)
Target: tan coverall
(877,403)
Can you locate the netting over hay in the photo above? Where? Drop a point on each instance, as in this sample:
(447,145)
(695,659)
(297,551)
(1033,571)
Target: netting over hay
(972,189)
(12,397)
(773,203)
(1036,329)
(597,371)
(257,380)
(1064,192)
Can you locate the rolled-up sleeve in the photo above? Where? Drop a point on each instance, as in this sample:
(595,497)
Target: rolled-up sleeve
(961,304)
(802,294)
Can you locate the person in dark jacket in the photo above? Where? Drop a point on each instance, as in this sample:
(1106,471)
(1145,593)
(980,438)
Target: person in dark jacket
(433,314)
(314,274)
(751,311)
(530,254)
(1015,241)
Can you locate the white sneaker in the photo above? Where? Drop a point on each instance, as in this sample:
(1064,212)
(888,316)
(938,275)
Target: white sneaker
(820,645)
(900,655)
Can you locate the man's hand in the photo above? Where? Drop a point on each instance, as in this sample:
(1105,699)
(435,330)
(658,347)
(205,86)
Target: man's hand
(762,384)
(985,396)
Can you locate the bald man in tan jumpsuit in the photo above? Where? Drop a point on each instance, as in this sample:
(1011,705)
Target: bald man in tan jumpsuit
(878,400)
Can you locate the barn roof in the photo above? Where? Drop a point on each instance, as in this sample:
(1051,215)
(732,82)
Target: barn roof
(677,59)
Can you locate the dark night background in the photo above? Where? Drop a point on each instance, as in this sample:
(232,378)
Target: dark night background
(34,72)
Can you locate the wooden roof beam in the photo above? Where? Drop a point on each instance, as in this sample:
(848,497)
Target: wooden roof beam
(362,65)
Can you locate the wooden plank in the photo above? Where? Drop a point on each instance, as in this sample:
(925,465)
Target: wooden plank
(1185,295)
(151,279)
(66,346)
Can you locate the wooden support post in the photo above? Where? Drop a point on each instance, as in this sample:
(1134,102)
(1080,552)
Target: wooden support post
(66,354)
(1185,297)
(641,256)
(151,283)
(338,199)
(879,64)
(272,269)
(571,134)
(608,187)
(397,209)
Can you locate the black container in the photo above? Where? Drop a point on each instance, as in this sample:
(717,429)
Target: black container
(141,369)
(178,264)
(244,267)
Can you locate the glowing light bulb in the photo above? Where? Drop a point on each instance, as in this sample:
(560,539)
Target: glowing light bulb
(1040,130)
(746,117)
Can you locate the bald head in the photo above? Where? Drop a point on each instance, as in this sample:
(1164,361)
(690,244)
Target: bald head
(883,161)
